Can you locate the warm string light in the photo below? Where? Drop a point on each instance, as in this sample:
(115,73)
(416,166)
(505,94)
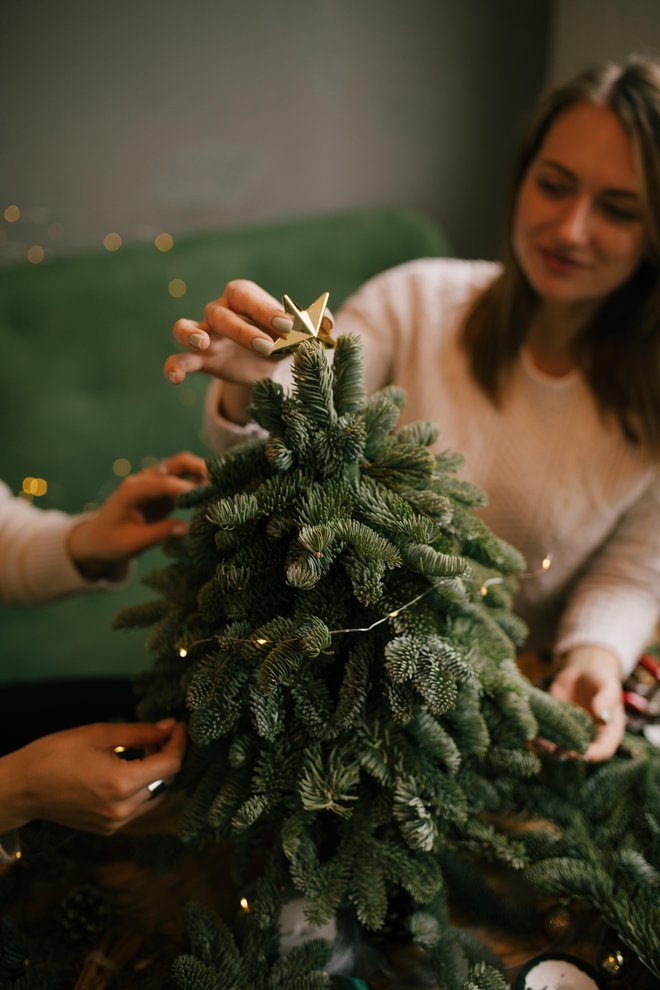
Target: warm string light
(183,652)
(546,563)
(261,641)
(34,486)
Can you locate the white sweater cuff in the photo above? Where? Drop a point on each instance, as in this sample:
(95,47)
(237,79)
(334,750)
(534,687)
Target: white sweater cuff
(219,433)
(46,570)
(624,626)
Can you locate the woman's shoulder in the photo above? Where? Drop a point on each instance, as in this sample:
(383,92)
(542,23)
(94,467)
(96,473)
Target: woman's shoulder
(440,279)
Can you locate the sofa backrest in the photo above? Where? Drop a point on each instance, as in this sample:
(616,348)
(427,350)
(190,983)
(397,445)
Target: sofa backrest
(83,339)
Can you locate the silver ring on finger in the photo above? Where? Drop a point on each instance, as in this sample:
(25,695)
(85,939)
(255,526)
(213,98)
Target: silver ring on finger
(155,788)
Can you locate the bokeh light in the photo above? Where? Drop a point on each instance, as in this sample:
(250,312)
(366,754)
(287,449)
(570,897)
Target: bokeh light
(112,241)
(35,486)
(164,241)
(121,467)
(35,254)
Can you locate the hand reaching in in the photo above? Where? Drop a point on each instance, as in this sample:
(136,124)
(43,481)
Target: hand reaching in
(134,517)
(74,777)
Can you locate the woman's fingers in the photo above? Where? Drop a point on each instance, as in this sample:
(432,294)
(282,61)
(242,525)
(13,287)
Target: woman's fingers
(241,328)
(190,334)
(248,300)
(178,366)
(184,463)
(608,738)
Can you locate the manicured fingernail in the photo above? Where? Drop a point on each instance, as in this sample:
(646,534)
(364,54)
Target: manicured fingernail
(327,323)
(263,346)
(166,723)
(282,324)
(197,340)
(172,377)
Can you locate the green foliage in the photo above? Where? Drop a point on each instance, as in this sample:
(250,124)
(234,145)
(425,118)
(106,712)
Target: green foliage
(245,958)
(358,723)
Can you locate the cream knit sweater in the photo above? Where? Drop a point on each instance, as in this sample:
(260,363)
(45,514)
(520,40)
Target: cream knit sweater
(560,480)
(35,565)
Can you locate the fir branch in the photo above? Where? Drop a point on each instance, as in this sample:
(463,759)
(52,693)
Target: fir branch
(267,402)
(313,383)
(348,375)
(328,784)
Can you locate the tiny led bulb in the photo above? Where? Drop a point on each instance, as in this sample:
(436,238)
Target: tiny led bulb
(394,614)
(546,562)
(261,642)
(183,652)
(484,590)
(119,749)
(244,904)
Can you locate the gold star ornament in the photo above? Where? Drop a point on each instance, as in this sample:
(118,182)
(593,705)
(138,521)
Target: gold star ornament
(307,323)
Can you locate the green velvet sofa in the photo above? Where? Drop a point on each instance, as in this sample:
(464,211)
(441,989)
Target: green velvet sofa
(83,340)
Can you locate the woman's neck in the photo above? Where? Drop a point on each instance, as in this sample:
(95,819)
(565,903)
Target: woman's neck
(552,331)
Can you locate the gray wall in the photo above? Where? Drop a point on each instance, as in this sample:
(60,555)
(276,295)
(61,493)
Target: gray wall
(139,116)
(585,31)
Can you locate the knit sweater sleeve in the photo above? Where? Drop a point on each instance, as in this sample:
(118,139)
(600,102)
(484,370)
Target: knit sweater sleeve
(616,602)
(34,562)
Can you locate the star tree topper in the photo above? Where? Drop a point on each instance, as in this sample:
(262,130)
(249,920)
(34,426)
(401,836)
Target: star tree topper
(307,323)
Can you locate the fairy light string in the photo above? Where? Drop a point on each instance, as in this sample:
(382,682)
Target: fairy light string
(546,563)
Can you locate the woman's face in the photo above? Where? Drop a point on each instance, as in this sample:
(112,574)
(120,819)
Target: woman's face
(578,230)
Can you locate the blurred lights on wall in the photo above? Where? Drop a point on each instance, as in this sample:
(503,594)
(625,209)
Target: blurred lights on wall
(34,486)
(112,241)
(121,467)
(35,254)
(164,242)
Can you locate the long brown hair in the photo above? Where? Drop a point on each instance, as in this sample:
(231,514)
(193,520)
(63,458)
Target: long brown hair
(618,351)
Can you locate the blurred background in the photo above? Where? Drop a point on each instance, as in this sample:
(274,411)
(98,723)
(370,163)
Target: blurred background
(151,150)
(134,119)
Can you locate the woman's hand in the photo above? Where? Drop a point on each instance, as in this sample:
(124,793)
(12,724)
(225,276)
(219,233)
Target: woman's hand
(590,676)
(134,517)
(74,777)
(236,335)
(232,343)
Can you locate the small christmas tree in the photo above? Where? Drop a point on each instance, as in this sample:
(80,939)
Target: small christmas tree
(337,631)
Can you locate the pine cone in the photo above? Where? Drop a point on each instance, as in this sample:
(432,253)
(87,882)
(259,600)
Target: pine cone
(85,913)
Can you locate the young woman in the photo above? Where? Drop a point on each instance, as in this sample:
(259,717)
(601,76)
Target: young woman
(542,370)
(75,777)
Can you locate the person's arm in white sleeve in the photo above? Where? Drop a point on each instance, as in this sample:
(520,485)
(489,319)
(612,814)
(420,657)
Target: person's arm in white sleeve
(46,553)
(33,548)
(609,619)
